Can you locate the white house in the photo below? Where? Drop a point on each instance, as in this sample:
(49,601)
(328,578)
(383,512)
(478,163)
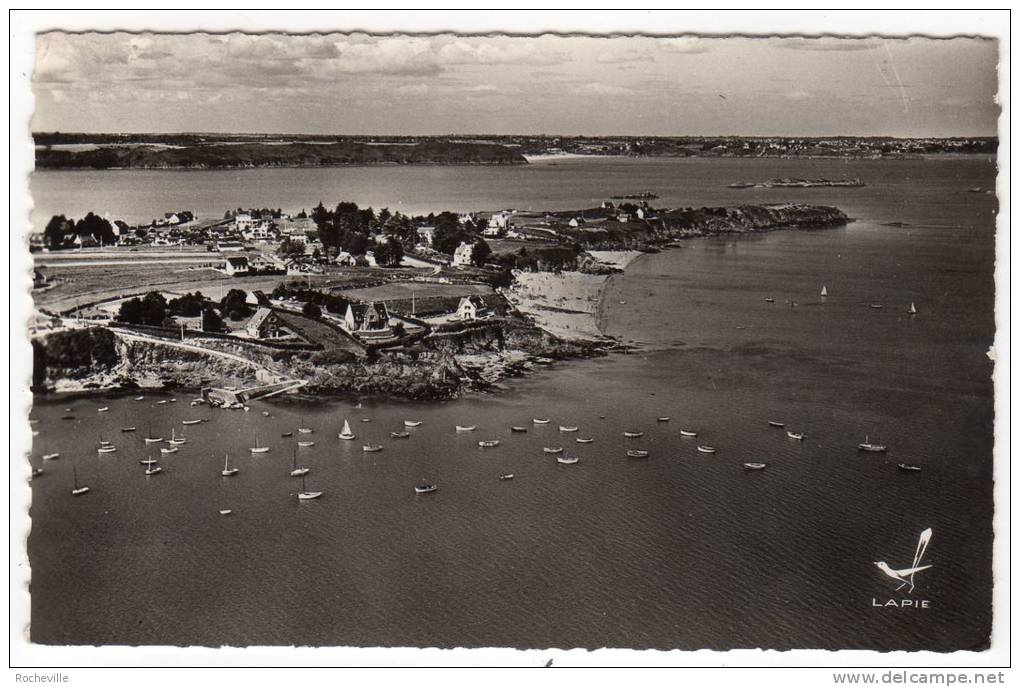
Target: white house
(426,235)
(462,255)
(236,265)
(472,308)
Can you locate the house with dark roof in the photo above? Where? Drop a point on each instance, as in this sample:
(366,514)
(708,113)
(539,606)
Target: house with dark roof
(473,308)
(265,324)
(236,265)
(368,320)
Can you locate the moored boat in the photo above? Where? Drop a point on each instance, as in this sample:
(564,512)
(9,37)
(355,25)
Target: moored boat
(190,422)
(286,434)
(568,429)
(553,449)
(636,453)
(51,456)
(128,429)
(517,428)
(400,435)
(870,447)
(877,306)
(103,409)
(466,428)
(77,489)
(633,435)
(754,466)
(371,448)
(305,444)
(172,449)
(304,494)
(489,443)
(770,299)
(107,449)
(906,467)
(506,476)
(584,440)
(346,432)
(225,511)
(662,419)
(425,488)
(174,441)
(566,460)
(799,436)
(228,471)
(295,471)
(688,433)
(540,420)
(706,449)
(412,423)
(913,309)
(774,423)
(148,461)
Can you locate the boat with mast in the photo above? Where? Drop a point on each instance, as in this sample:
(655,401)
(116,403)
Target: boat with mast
(303,429)
(425,487)
(149,439)
(825,291)
(259,449)
(913,309)
(870,447)
(148,461)
(295,471)
(105,446)
(568,429)
(127,427)
(304,494)
(346,432)
(228,471)
(153,469)
(174,441)
(77,490)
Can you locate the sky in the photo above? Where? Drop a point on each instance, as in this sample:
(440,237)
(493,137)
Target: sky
(570,85)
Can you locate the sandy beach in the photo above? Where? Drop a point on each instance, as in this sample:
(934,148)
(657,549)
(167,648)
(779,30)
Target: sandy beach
(566,304)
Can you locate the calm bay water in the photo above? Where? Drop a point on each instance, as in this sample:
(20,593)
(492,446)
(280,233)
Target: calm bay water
(682,550)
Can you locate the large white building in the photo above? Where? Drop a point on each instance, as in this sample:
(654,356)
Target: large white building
(462,255)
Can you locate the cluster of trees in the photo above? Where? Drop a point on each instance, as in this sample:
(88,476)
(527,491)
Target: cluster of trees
(336,305)
(73,352)
(388,253)
(60,231)
(256,213)
(235,305)
(154,310)
(290,248)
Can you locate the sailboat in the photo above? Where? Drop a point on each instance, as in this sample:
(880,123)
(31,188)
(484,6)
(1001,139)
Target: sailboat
(870,447)
(76,490)
(153,469)
(151,439)
(295,471)
(174,441)
(825,291)
(105,446)
(913,308)
(228,471)
(259,449)
(302,429)
(127,427)
(148,461)
(346,432)
(304,494)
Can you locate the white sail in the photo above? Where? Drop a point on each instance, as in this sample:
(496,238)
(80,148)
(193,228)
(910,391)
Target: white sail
(825,291)
(913,309)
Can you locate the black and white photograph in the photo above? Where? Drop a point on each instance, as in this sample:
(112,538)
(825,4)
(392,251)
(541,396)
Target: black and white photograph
(526,340)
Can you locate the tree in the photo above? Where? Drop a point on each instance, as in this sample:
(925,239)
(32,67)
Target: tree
(311,310)
(289,248)
(480,253)
(235,303)
(150,309)
(95,226)
(389,253)
(211,320)
(56,232)
(355,243)
(188,305)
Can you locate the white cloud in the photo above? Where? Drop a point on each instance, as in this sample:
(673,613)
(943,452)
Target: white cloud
(687,45)
(596,88)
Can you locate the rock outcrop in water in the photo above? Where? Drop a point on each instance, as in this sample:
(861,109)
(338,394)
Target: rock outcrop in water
(745,219)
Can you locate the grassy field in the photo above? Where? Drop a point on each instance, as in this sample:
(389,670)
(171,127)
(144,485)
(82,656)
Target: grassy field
(399,291)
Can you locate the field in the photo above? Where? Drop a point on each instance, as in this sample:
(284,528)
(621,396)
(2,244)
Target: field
(399,291)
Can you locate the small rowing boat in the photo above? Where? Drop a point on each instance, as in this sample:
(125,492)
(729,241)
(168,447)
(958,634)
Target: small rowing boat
(371,448)
(553,449)
(754,466)
(490,443)
(634,453)
(507,476)
(799,436)
(877,306)
(706,449)
(566,460)
(103,409)
(51,456)
(287,434)
(172,449)
(400,435)
(584,440)
(568,429)
(108,449)
(425,488)
(515,428)
(412,423)
(540,420)
(773,423)
(190,422)
(633,435)
(225,511)
(908,468)
(305,444)
(368,419)
(161,403)
(466,428)
(662,419)
(139,398)
(687,433)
